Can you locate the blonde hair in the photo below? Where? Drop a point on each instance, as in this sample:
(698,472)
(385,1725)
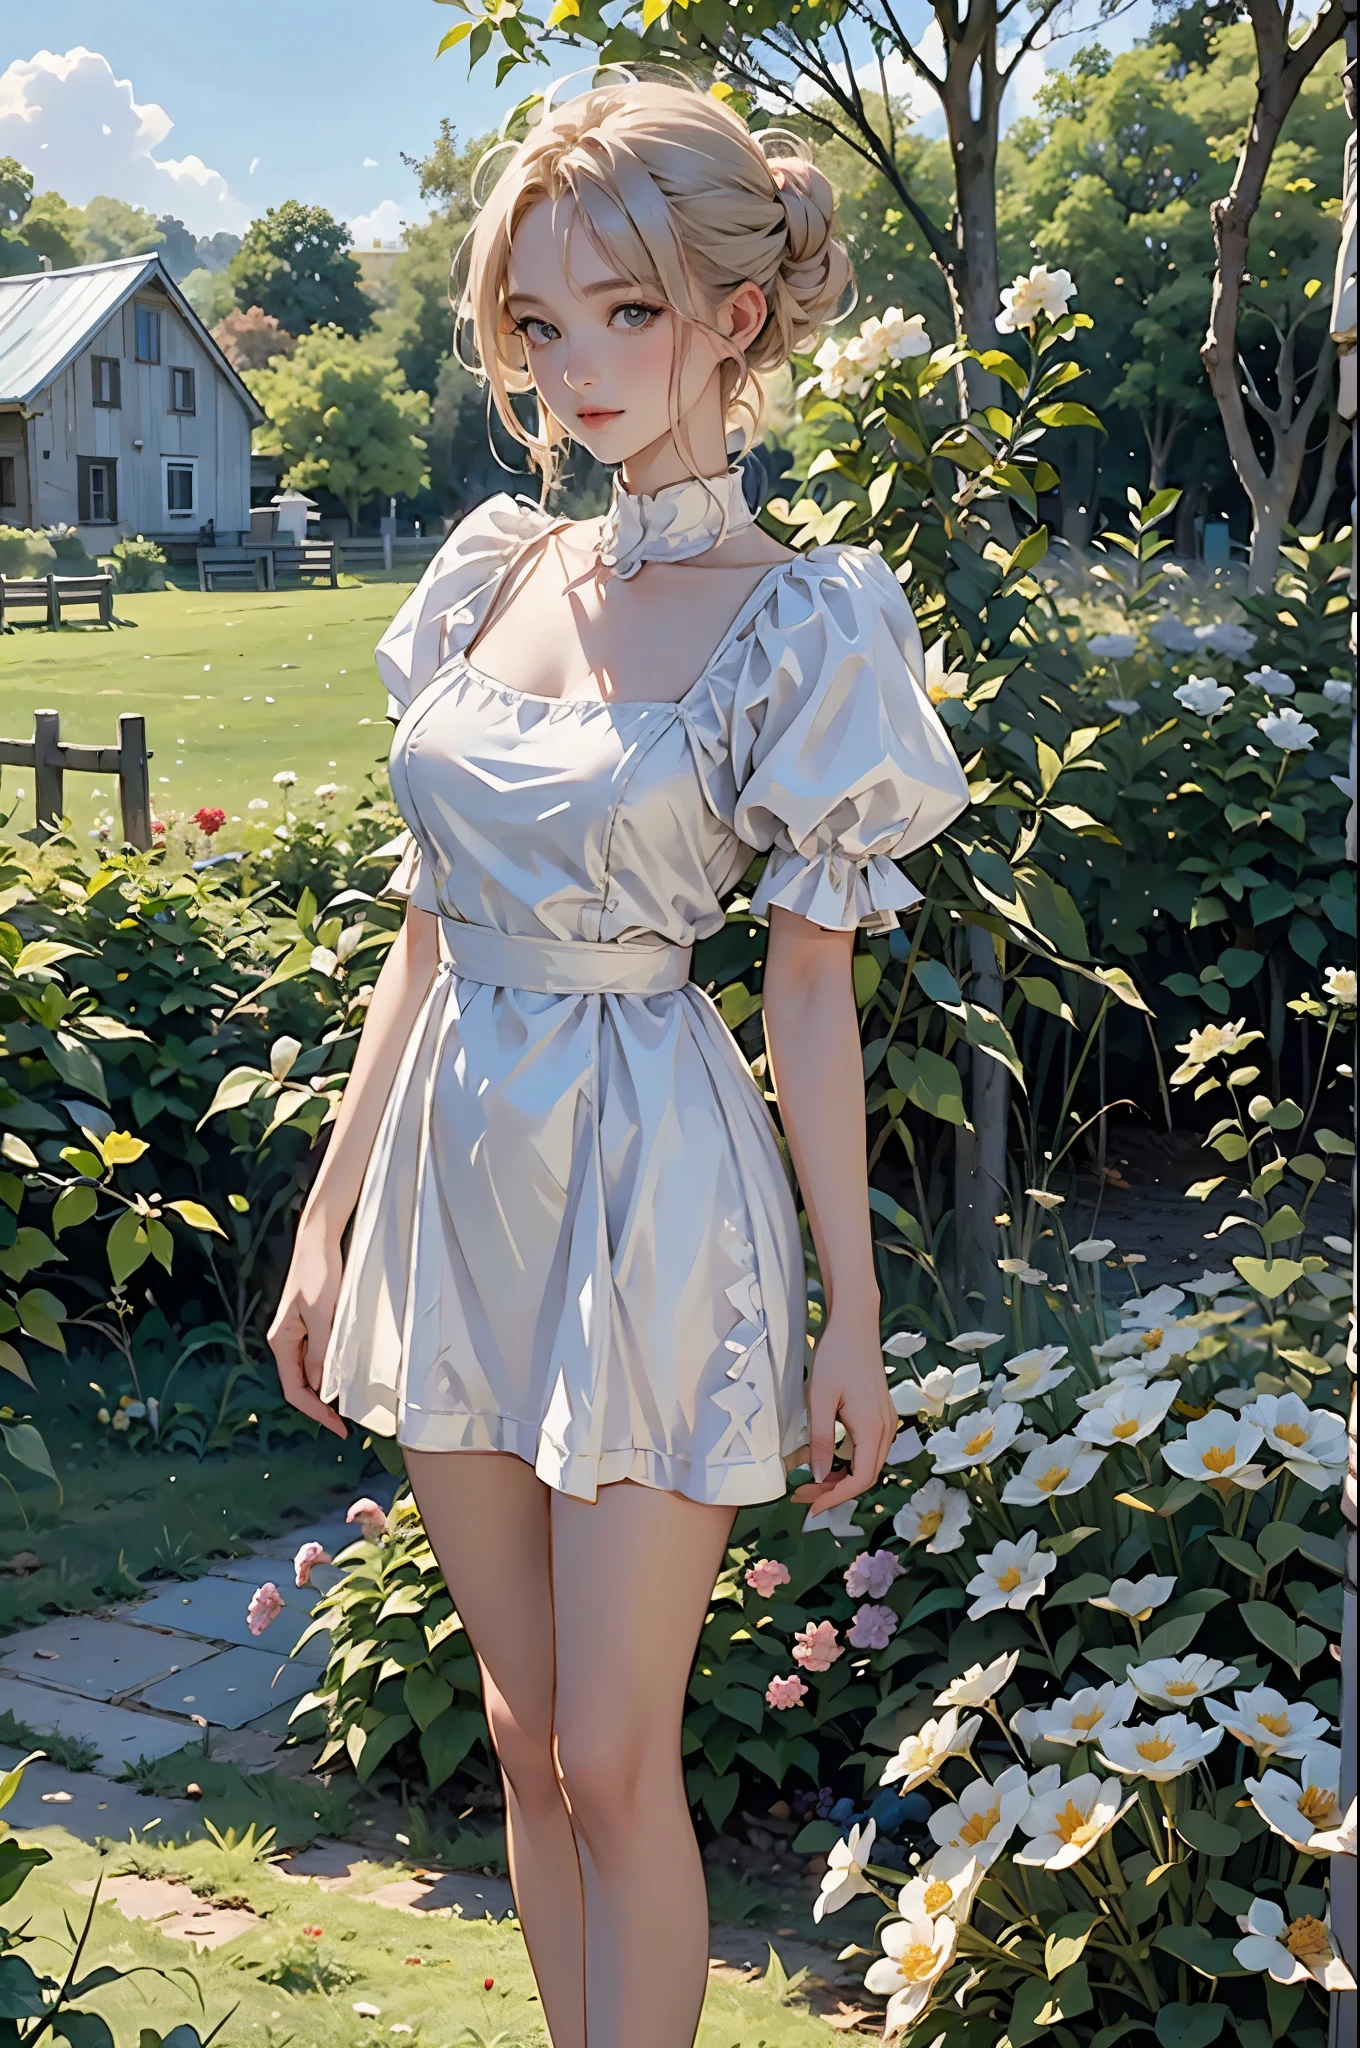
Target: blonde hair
(674,189)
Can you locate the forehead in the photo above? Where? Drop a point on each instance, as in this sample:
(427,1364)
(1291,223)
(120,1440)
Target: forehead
(551,248)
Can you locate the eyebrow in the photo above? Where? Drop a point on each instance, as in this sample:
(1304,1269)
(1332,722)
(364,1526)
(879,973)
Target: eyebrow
(604,286)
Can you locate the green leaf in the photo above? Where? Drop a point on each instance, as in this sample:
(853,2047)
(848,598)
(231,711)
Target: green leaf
(427,1696)
(1172,1639)
(1194,1945)
(199,1218)
(85,2029)
(25,1445)
(1066,1941)
(1211,1837)
(936,982)
(1044,996)
(1190,2026)
(72,1207)
(128,1246)
(1295,1645)
(17,1152)
(13,1361)
(40,1317)
(447,1741)
(1239,1554)
(1269,1277)
(238,1088)
(17,1859)
(120,1148)
(1030,551)
(1005,367)
(21,1989)
(1068,413)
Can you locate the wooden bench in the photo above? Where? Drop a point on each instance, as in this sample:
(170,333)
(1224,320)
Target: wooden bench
(253,566)
(314,558)
(371,551)
(54,593)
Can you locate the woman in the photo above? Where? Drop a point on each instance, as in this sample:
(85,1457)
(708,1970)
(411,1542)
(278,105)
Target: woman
(576,1257)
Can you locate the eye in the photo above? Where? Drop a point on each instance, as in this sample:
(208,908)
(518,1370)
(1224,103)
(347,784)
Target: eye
(634,317)
(537,332)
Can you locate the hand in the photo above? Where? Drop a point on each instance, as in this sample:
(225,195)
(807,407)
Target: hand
(301,1327)
(847,1379)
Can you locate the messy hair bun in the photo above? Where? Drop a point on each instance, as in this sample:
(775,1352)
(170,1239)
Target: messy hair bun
(674,189)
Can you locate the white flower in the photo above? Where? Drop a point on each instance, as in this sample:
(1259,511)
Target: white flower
(1130,1411)
(1218,1449)
(905,1344)
(1064,1824)
(1302,1811)
(841,376)
(936,1515)
(1312,1441)
(897,337)
(1160,1305)
(285,779)
(1044,1198)
(1340,984)
(976,1340)
(1135,1599)
(1337,690)
(258,803)
(1020,1269)
(1010,1576)
(1293,1952)
(1125,707)
(945,1884)
(1032,1374)
(326,789)
(365,2010)
(1273,681)
(1091,1712)
(985,1817)
(1176,636)
(844,1875)
(1064,1466)
(1212,1284)
(1226,637)
(1092,1250)
(1203,696)
(940,1389)
(980,1683)
(905,1446)
(1180,1681)
(916,1953)
(324,960)
(1288,730)
(1337,1841)
(1211,1042)
(1043,291)
(282,1055)
(1126,1376)
(1112,646)
(977,1439)
(1160,1751)
(1270,1724)
(921,1755)
(1147,1349)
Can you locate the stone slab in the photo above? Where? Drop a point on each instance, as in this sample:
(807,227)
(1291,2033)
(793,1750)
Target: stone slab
(173,1909)
(255,1571)
(91,1805)
(121,1734)
(98,1658)
(233,1687)
(216,1608)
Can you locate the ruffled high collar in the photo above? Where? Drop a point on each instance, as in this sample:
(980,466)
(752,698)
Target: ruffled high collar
(679,522)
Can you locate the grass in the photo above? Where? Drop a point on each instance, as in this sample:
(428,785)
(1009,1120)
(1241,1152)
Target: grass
(235,686)
(300,1988)
(72,1752)
(296,1809)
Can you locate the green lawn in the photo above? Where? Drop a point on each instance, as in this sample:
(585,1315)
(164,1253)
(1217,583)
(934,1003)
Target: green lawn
(235,687)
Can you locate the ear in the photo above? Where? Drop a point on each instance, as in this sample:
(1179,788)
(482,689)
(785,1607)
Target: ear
(742,316)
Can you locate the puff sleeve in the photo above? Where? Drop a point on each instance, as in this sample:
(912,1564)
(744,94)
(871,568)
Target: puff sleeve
(410,880)
(840,763)
(443,612)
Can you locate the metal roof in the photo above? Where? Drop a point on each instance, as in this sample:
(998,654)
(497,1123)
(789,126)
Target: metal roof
(48,316)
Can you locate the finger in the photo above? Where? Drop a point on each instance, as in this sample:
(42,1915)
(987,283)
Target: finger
(307,1403)
(862,1474)
(822,1408)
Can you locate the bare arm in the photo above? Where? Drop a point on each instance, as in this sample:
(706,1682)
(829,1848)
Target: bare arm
(812,1030)
(301,1327)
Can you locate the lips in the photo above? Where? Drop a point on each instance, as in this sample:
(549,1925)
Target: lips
(597,416)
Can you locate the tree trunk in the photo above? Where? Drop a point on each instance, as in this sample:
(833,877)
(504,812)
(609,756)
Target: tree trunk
(1161,428)
(1338,437)
(1184,548)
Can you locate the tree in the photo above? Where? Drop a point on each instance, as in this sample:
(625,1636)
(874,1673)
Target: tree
(1282,67)
(177,248)
(110,228)
(210,295)
(249,339)
(294,263)
(16,192)
(55,230)
(342,418)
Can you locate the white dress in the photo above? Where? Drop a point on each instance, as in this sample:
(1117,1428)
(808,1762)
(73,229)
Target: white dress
(576,1238)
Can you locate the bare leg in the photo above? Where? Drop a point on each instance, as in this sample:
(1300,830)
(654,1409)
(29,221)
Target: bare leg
(486,1515)
(633,1572)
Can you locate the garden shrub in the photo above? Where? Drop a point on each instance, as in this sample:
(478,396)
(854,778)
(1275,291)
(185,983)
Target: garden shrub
(138,564)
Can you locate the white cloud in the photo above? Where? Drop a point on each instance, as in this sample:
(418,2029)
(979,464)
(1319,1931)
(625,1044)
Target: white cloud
(370,163)
(383,225)
(95,137)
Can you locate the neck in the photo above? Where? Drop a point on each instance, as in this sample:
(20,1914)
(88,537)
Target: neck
(661,462)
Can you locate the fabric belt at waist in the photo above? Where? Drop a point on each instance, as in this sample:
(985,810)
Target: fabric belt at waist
(563,967)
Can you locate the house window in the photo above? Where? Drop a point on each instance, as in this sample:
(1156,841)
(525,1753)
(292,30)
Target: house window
(96,490)
(9,496)
(148,334)
(104,373)
(182,391)
(181,488)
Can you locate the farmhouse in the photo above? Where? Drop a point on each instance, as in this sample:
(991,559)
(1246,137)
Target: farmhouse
(119,414)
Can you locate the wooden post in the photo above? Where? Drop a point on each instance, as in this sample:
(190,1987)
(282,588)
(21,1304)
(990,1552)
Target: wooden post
(48,771)
(134,781)
(53,606)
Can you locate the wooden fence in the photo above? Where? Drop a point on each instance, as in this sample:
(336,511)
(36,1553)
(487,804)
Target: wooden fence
(52,759)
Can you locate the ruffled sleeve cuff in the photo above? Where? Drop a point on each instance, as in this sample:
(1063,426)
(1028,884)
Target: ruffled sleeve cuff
(834,890)
(410,880)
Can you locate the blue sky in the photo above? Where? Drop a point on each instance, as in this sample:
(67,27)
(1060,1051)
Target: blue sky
(215,113)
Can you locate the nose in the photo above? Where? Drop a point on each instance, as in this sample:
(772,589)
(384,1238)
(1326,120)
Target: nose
(579,374)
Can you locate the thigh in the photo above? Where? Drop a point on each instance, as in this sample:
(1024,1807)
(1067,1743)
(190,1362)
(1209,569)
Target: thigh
(486,1515)
(632,1575)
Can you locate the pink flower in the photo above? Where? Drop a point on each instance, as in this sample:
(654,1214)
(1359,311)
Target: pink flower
(764,1576)
(872,1628)
(265,1606)
(816,1649)
(370,1517)
(872,1573)
(307,1560)
(157,828)
(209,821)
(785,1692)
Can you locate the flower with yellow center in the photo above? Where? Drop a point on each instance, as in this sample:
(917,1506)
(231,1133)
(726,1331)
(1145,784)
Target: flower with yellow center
(1161,1752)
(1043,293)
(843,1878)
(1340,984)
(985,1816)
(1032,1374)
(1218,1450)
(1054,1469)
(934,1514)
(916,1954)
(1066,1823)
(1087,1714)
(1131,1411)
(1312,1441)
(941,1388)
(922,1755)
(1135,1599)
(1179,1681)
(1010,1576)
(1302,1810)
(944,1885)
(980,1683)
(1270,1724)
(1292,1952)
(976,1439)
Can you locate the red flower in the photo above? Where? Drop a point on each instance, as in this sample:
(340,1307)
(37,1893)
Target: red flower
(487,1983)
(313,1933)
(157,828)
(209,822)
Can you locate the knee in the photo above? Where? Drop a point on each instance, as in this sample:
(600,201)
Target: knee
(524,1753)
(610,1780)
